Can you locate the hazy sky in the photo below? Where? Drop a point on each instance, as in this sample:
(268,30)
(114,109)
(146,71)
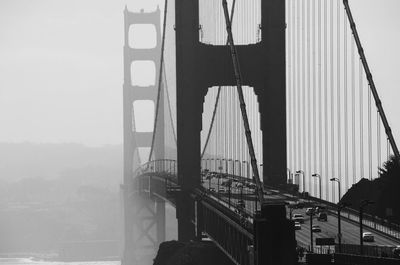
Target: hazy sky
(61,66)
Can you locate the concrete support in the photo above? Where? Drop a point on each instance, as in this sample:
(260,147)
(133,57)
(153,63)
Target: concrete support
(275,242)
(160,219)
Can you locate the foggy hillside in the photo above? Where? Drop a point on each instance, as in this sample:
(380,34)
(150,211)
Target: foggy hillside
(50,161)
(53,194)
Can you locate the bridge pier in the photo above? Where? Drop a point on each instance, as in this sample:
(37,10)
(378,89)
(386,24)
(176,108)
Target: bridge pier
(184,215)
(275,242)
(144,228)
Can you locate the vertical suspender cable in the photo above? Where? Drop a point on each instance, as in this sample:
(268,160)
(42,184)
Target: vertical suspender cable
(298,88)
(346,136)
(289,83)
(339,122)
(353,113)
(303,89)
(371,81)
(320,90)
(369,137)
(314,93)
(332,100)
(326,90)
(294,88)
(361,88)
(309,94)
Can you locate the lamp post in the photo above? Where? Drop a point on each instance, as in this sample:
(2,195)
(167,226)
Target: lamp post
(289,176)
(320,187)
(311,231)
(304,180)
(247,169)
(338,181)
(362,205)
(341,206)
(240,169)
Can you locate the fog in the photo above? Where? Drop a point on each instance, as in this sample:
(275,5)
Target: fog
(61,154)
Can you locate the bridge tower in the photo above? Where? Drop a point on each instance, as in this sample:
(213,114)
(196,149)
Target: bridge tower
(144,217)
(201,66)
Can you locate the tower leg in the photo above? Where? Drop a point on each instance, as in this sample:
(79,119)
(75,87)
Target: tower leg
(275,241)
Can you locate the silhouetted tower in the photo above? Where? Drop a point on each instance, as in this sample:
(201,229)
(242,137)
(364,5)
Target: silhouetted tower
(144,216)
(201,66)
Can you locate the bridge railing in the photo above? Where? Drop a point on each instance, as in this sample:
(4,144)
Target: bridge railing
(165,166)
(370,221)
(373,222)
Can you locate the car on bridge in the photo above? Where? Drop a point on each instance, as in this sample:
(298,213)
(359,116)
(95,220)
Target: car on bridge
(297,217)
(299,205)
(310,211)
(316,228)
(396,252)
(368,237)
(322,217)
(240,205)
(221,190)
(297,226)
(320,209)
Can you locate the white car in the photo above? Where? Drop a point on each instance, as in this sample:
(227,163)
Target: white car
(297,226)
(316,228)
(297,217)
(310,211)
(368,237)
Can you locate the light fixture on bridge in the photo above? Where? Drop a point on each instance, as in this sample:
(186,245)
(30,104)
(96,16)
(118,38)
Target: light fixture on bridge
(339,184)
(304,179)
(320,186)
(363,204)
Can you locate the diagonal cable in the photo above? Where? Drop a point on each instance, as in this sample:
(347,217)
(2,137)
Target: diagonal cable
(370,79)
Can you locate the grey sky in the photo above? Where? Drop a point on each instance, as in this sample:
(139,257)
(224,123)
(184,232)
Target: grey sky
(61,68)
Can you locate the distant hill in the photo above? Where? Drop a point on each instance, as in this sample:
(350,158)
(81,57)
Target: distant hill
(50,161)
(55,193)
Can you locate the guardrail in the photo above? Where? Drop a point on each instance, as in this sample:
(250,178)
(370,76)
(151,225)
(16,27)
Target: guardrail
(373,222)
(378,224)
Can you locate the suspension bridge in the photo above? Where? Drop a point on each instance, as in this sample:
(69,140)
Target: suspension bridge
(253,107)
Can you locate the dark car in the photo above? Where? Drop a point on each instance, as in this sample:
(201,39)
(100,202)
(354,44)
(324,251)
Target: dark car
(396,252)
(322,217)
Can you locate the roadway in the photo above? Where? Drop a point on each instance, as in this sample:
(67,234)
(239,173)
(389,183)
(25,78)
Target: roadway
(350,230)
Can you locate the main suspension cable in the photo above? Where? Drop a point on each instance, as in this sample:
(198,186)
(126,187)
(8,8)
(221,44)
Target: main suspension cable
(159,81)
(169,105)
(217,98)
(370,80)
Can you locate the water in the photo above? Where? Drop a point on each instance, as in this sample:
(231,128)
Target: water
(31,261)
